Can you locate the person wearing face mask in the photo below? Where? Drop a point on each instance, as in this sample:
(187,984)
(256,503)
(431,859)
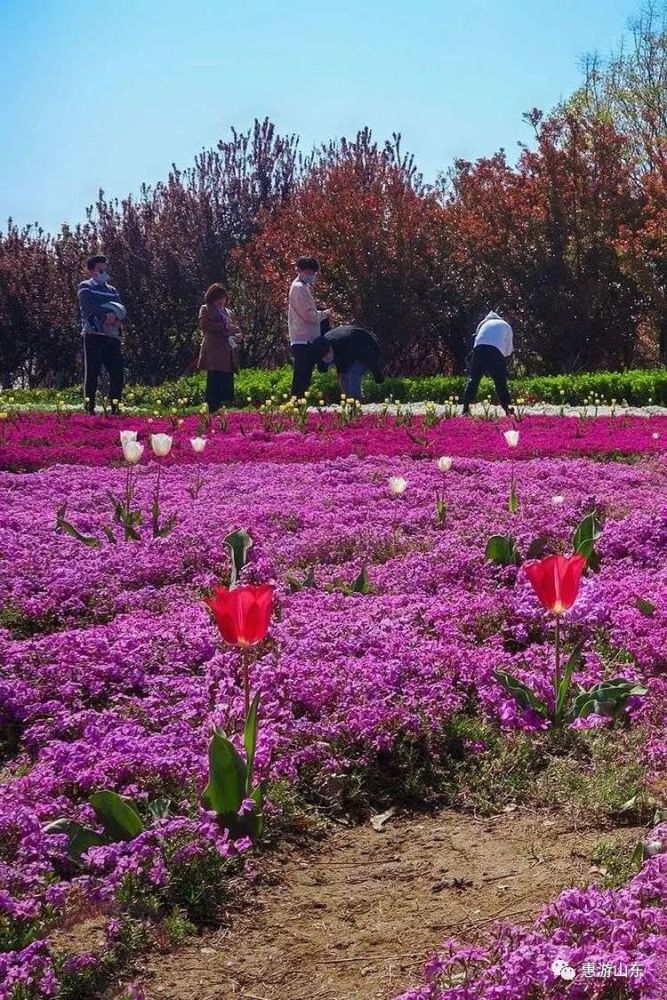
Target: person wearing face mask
(304,321)
(102,314)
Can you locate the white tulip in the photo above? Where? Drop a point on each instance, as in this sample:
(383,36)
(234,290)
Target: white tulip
(655,435)
(126,436)
(132,452)
(161,444)
(444,463)
(512,438)
(198,444)
(557,501)
(397,485)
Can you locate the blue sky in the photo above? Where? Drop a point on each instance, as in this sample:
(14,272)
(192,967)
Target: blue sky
(110,94)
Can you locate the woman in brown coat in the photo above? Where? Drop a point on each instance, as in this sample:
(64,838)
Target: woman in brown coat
(217,356)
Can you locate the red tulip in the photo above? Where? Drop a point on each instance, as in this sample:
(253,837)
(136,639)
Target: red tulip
(556,581)
(242,614)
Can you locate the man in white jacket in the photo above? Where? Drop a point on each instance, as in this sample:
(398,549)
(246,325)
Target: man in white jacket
(494,343)
(303,321)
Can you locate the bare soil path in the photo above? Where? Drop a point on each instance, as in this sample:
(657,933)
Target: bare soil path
(355,917)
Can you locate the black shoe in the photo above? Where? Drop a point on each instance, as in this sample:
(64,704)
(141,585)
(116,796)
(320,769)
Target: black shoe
(510,412)
(465,412)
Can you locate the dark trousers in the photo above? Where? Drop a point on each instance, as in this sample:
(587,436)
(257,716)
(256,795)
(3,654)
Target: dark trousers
(100,352)
(304,360)
(219,389)
(487,360)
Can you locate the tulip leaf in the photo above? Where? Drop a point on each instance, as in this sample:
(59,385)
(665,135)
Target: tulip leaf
(573,663)
(159,809)
(361,584)
(647,608)
(239,543)
(68,529)
(226,788)
(256,818)
(607,698)
(118,815)
(250,740)
(502,549)
(81,838)
(585,536)
(307,583)
(525,696)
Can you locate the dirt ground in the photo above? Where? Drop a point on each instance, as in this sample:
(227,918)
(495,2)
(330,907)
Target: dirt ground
(356,916)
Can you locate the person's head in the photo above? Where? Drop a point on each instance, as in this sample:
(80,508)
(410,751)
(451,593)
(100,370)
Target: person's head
(307,268)
(216,295)
(97,268)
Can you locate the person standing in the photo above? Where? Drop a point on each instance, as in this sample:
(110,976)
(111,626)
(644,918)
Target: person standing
(354,351)
(303,321)
(102,314)
(217,356)
(494,343)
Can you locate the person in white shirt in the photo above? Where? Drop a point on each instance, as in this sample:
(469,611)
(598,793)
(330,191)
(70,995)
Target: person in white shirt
(494,343)
(303,322)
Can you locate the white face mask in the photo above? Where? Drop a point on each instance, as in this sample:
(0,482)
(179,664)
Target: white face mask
(308,279)
(102,277)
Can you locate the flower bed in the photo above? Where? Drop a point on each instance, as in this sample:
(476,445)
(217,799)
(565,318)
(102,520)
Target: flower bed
(37,440)
(112,675)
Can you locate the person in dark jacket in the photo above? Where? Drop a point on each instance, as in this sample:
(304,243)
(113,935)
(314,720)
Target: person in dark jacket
(102,314)
(217,356)
(354,351)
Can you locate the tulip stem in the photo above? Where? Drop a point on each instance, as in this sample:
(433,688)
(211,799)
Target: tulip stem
(557,643)
(245,669)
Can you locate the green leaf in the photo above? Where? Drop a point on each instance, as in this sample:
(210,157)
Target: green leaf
(167,527)
(239,543)
(606,698)
(159,809)
(523,694)
(256,824)
(647,608)
(81,837)
(361,585)
(573,663)
(118,816)
(68,529)
(585,536)
(250,739)
(307,583)
(226,788)
(109,534)
(502,549)
(638,855)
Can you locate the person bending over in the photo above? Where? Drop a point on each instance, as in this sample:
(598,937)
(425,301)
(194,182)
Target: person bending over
(303,321)
(101,316)
(494,343)
(354,351)
(217,356)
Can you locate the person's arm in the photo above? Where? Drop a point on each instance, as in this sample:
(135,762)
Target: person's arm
(509,341)
(218,327)
(303,303)
(90,307)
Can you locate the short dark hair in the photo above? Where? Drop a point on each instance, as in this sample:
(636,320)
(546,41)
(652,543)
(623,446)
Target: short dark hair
(308,264)
(97,258)
(214,292)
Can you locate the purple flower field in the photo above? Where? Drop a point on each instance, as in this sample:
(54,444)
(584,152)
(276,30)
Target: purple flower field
(113,676)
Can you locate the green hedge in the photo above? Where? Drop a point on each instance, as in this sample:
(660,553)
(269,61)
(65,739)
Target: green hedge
(637,388)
